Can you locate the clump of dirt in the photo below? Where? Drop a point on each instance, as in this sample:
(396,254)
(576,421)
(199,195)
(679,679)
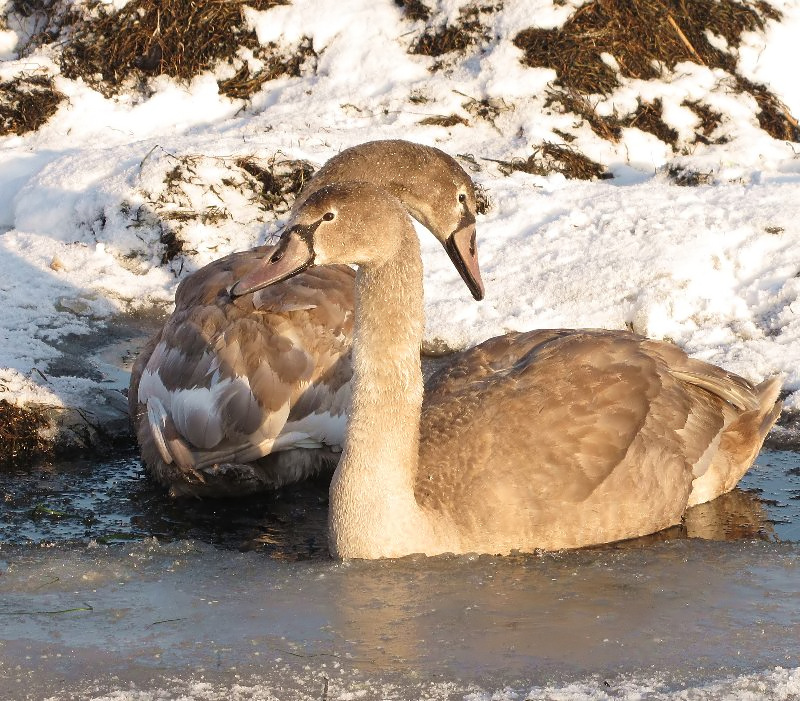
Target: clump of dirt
(414,9)
(686,177)
(440,120)
(469,29)
(20,435)
(643,39)
(112,49)
(27,102)
(556,158)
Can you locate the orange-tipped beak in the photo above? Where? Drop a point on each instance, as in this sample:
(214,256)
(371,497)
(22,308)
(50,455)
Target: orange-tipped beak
(292,255)
(463,251)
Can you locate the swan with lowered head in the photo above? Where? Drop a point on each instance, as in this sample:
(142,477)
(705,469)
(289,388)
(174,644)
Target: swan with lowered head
(232,397)
(543,440)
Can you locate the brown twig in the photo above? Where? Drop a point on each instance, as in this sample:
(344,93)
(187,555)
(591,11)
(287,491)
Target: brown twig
(683,38)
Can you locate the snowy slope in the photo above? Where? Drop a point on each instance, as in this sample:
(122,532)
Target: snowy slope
(715,268)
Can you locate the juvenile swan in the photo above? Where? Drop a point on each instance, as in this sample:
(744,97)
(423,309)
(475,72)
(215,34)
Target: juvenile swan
(236,396)
(549,439)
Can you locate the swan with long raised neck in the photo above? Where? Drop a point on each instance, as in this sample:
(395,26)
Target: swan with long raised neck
(543,440)
(235,396)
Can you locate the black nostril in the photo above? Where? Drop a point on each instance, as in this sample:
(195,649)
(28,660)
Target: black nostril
(472,248)
(276,256)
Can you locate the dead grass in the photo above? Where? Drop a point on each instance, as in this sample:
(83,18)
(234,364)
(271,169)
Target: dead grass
(640,37)
(179,38)
(551,158)
(27,102)
(773,116)
(483,203)
(648,117)
(271,185)
(279,179)
(414,9)
(645,38)
(20,438)
(440,120)
(686,177)
(469,29)
(276,62)
(710,119)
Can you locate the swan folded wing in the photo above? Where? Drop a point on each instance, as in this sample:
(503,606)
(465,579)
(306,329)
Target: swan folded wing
(578,402)
(552,405)
(726,385)
(227,375)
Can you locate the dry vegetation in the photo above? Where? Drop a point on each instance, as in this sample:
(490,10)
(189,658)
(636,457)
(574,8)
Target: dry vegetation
(645,38)
(279,180)
(687,177)
(556,158)
(470,28)
(271,185)
(414,9)
(113,50)
(27,102)
(20,437)
(441,120)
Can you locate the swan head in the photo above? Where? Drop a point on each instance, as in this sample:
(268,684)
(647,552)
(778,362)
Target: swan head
(335,225)
(432,185)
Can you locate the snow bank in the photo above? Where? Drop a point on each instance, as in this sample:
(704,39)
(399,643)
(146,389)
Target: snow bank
(714,268)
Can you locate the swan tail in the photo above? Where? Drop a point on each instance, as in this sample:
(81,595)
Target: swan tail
(739,444)
(171,446)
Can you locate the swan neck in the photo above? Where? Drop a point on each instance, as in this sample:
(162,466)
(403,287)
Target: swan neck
(373,511)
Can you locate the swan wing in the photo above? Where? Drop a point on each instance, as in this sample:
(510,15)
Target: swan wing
(237,379)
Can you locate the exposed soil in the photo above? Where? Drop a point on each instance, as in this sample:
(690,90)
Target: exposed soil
(20,434)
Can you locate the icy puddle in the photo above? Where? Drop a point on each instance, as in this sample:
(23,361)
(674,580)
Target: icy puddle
(110,591)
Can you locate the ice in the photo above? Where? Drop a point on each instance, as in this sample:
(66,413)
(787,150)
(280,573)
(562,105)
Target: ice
(109,589)
(184,620)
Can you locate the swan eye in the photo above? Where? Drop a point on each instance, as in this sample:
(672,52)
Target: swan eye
(328,216)
(462,198)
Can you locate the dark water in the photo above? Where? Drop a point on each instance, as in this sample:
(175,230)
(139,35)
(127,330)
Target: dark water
(109,590)
(114,501)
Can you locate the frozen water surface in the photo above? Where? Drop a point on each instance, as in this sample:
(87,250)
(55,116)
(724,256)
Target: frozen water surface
(109,590)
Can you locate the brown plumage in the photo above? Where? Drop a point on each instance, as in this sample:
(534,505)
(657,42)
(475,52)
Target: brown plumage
(542,440)
(237,396)
(613,423)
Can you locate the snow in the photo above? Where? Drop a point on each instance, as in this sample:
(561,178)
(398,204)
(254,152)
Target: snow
(713,268)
